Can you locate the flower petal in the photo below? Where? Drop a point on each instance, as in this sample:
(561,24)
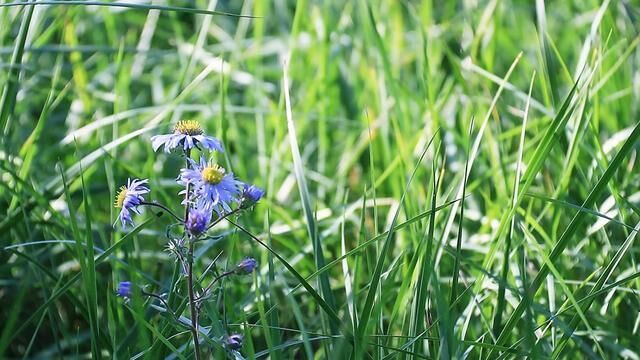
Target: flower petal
(210,143)
(160,140)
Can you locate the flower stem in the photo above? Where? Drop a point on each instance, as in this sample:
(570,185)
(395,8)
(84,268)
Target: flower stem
(187,155)
(146,203)
(204,292)
(192,303)
(166,306)
(224,216)
(192,299)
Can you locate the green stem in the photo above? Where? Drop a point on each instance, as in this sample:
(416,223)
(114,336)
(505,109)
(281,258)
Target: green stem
(192,303)
(192,299)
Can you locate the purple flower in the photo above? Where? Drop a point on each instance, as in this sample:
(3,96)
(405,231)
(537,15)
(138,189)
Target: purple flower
(186,134)
(198,220)
(234,341)
(251,194)
(128,198)
(124,289)
(246,266)
(213,187)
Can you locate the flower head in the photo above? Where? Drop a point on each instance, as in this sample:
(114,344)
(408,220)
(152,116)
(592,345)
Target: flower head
(251,194)
(124,289)
(198,220)
(246,266)
(234,341)
(128,199)
(186,134)
(214,187)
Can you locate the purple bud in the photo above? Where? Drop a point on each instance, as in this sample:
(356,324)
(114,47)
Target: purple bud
(198,220)
(246,266)
(250,196)
(124,289)
(234,341)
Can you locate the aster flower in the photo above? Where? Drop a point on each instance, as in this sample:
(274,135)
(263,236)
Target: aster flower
(124,289)
(128,199)
(234,341)
(186,134)
(251,194)
(198,220)
(246,266)
(214,187)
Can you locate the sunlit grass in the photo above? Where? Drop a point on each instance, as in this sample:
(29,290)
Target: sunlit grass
(404,147)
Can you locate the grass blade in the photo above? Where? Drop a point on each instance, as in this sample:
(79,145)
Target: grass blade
(10,90)
(304,195)
(375,277)
(568,233)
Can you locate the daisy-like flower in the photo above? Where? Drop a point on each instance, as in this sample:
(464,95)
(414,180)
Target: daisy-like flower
(214,187)
(128,199)
(198,220)
(250,196)
(186,134)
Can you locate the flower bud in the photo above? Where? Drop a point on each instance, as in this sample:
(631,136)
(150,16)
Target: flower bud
(198,220)
(246,266)
(124,289)
(250,196)
(234,341)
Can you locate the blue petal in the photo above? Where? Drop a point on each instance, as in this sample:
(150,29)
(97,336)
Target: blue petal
(209,142)
(188,142)
(160,140)
(174,142)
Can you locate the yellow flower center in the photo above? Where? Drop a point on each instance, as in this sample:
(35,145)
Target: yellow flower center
(122,194)
(188,127)
(213,174)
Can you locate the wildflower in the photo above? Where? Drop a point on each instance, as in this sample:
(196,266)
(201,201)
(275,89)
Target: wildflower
(188,134)
(124,289)
(198,220)
(214,187)
(234,341)
(128,198)
(250,196)
(246,266)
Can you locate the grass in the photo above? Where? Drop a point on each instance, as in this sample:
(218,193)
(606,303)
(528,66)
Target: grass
(443,179)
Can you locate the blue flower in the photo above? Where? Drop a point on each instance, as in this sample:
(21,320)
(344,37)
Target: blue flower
(234,341)
(198,220)
(250,196)
(246,266)
(128,198)
(186,134)
(213,187)
(124,289)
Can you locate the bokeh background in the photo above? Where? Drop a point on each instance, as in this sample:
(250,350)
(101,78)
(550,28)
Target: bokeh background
(469,169)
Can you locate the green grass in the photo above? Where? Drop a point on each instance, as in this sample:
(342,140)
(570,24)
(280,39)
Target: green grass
(444,179)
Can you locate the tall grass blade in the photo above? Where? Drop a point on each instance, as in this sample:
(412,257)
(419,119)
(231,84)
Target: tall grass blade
(570,230)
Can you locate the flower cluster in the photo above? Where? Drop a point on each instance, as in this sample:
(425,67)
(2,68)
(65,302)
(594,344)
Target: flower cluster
(207,185)
(209,193)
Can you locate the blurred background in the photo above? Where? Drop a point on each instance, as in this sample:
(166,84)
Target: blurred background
(528,252)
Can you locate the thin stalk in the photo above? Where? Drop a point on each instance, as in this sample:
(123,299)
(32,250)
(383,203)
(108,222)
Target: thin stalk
(166,305)
(145,203)
(187,155)
(192,299)
(192,302)
(213,282)
(224,216)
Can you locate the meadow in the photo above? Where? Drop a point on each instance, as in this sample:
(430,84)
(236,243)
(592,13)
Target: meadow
(442,179)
